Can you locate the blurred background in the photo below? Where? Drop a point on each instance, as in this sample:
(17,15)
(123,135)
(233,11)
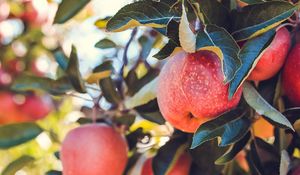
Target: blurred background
(28,43)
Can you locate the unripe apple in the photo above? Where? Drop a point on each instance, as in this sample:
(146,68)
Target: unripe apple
(94,149)
(273,57)
(191,90)
(291,76)
(181,166)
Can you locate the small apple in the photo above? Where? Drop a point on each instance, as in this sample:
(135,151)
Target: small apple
(36,12)
(273,57)
(180,167)
(191,90)
(94,149)
(35,107)
(291,76)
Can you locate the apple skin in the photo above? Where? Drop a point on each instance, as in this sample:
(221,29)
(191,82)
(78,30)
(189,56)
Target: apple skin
(191,90)
(291,76)
(273,58)
(296,171)
(36,107)
(33,108)
(181,167)
(94,149)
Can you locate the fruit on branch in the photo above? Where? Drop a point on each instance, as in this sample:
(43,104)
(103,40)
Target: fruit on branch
(191,90)
(180,167)
(273,57)
(19,108)
(291,76)
(94,149)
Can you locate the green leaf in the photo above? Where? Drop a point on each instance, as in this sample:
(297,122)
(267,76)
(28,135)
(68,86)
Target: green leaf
(146,94)
(230,126)
(252,1)
(32,83)
(16,134)
(285,163)
(148,13)
(53,172)
(167,155)
(256,19)
(67,9)
(219,41)
(106,65)
(61,59)
(262,107)
(17,164)
(105,44)
(125,119)
(73,72)
(166,51)
(212,12)
(250,55)
(110,91)
(233,150)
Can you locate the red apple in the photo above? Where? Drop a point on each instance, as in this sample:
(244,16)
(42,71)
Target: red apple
(191,90)
(14,108)
(35,107)
(273,58)
(181,167)
(94,149)
(296,171)
(291,76)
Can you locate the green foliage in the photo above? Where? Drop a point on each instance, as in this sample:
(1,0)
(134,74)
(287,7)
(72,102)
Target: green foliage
(105,44)
(16,134)
(17,164)
(67,9)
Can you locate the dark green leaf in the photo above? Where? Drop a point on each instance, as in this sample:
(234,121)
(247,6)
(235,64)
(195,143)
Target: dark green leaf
(168,154)
(105,44)
(252,1)
(73,72)
(150,13)
(256,19)
(233,150)
(155,117)
(166,51)
(230,126)
(61,59)
(54,87)
(110,91)
(84,120)
(53,172)
(213,12)
(262,107)
(17,164)
(204,157)
(214,36)
(126,119)
(67,9)
(106,65)
(249,55)
(16,134)
(132,162)
(134,85)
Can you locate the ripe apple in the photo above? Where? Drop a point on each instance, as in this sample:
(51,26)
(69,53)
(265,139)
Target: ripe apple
(94,149)
(14,108)
(181,167)
(191,90)
(35,107)
(291,75)
(273,58)
(296,171)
